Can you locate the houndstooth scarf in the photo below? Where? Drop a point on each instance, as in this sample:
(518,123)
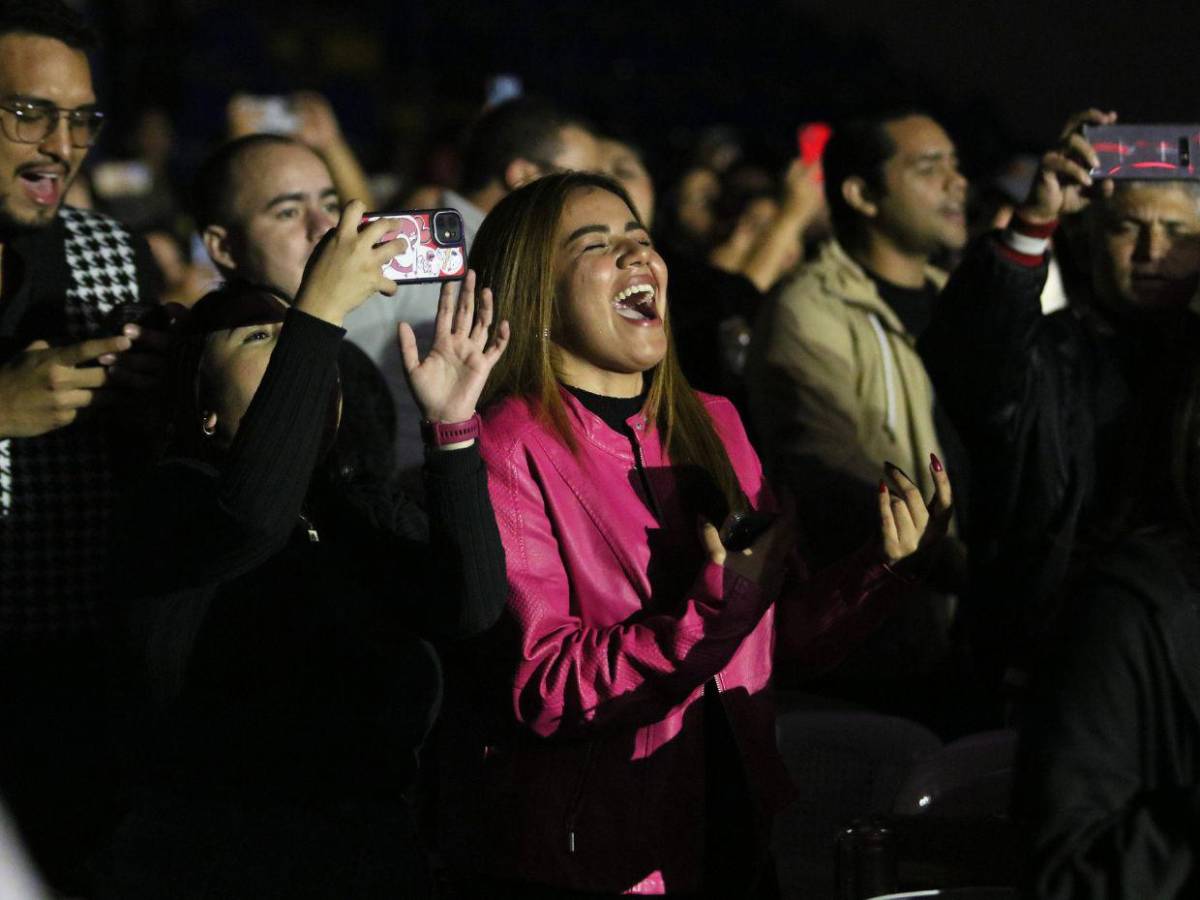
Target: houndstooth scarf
(56,490)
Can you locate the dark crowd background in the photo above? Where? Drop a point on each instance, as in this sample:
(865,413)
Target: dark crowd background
(681,84)
(405,78)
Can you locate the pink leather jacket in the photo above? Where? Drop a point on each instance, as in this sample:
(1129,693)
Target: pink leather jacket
(591,775)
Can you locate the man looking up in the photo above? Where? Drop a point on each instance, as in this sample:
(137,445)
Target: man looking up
(262,203)
(1043,402)
(510,144)
(67,278)
(836,386)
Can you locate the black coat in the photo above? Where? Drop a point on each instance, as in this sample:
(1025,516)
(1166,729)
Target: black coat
(1038,401)
(1108,773)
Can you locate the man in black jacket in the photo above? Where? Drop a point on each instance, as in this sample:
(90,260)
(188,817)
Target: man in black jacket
(69,281)
(1041,401)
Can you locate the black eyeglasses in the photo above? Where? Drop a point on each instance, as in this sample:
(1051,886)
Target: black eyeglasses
(32,123)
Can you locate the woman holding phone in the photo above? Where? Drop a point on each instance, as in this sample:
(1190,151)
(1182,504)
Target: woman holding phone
(618,733)
(269,622)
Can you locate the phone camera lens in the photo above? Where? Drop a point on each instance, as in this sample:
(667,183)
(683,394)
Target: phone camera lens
(447,228)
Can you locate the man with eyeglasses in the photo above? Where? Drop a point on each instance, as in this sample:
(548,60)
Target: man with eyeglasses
(69,367)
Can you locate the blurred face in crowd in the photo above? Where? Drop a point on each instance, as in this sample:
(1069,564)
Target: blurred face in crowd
(923,205)
(37,73)
(578,150)
(282,203)
(621,162)
(611,290)
(153,137)
(698,191)
(1146,241)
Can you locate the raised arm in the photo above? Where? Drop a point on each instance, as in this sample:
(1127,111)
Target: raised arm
(776,249)
(981,345)
(225,519)
(319,129)
(454,577)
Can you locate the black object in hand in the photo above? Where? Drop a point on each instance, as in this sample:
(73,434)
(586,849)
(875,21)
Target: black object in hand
(744,528)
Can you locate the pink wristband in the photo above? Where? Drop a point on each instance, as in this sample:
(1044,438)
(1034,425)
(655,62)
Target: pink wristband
(439,434)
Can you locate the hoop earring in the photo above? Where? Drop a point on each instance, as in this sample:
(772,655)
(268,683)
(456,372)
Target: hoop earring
(206,429)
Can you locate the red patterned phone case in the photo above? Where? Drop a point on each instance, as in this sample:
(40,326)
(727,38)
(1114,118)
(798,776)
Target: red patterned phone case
(434,247)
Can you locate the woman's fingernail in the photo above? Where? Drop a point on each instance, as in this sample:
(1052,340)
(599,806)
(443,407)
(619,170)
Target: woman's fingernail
(935,462)
(107,359)
(883,489)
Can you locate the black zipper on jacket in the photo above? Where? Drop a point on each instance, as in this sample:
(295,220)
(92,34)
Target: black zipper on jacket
(313,535)
(640,464)
(577,800)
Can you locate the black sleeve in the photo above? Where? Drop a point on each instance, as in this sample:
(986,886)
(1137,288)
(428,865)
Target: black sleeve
(198,524)
(979,346)
(1014,383)
(366,440)
(466,544)
(440,573)
(149,275)
(1100,725)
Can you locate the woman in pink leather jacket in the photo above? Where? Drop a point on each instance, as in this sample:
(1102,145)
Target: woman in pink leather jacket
(618,728)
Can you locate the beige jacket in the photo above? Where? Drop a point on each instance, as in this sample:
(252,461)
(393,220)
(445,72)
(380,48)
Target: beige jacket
(836,389)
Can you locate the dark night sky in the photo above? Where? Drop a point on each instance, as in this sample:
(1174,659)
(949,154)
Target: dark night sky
(1001,75)
(1040,60)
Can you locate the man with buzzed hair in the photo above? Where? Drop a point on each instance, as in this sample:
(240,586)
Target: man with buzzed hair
(261,204)
(69,279)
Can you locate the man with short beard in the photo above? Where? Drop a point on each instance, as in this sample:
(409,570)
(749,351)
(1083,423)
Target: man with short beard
(1043,402)
(837,389)
(68,280)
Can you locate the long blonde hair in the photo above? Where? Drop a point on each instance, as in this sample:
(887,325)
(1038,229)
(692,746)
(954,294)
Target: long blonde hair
(513,254)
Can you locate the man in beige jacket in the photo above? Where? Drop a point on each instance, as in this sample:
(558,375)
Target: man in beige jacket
(836,386)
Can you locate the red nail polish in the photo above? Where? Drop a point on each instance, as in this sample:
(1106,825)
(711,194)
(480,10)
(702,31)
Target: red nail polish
(937,463)
(882,487)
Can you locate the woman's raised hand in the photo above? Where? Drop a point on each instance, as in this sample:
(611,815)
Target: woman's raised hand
(447,383)
(907,522)
(346,267)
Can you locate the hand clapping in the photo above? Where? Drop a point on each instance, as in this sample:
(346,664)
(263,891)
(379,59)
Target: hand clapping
(907,522)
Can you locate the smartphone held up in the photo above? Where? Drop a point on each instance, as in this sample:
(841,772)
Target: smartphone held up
(1142,152)
(432,245)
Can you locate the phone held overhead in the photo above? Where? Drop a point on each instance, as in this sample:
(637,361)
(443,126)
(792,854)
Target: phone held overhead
(433,245)
(1141,152)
